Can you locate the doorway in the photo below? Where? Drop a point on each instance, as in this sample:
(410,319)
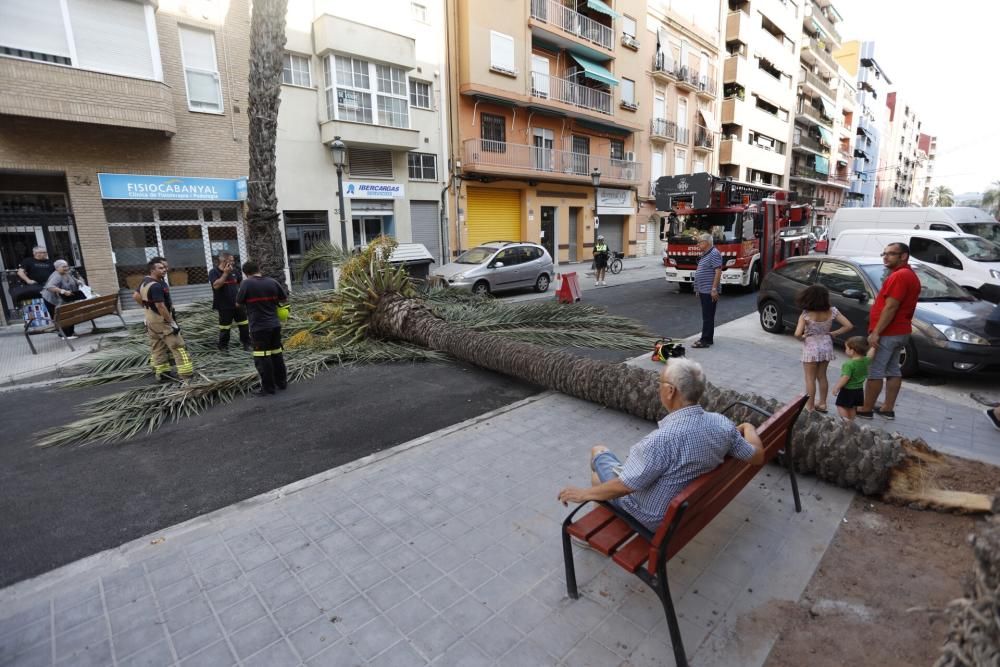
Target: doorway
(572,231)
(549,231)
(544,141)
(303,231)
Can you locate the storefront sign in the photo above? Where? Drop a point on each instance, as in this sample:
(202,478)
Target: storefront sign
(612,201)
(132,186)
(373,190)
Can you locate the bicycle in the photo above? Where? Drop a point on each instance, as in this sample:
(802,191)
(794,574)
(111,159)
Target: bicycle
(615,262)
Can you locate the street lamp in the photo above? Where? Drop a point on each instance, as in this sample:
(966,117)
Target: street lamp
(595,177)
(338,150)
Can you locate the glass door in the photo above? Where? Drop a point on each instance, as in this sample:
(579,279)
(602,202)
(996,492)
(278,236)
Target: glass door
(543,144)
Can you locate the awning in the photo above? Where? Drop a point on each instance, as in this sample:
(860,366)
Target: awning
(825,136)
(599,6)
(708,118)
(824,107)
(822,165)
(595,71)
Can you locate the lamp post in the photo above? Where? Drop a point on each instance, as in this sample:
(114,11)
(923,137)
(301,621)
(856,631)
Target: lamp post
(338,150)
(595,177)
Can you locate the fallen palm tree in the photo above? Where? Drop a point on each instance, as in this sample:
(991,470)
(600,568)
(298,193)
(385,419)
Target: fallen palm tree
(377,315)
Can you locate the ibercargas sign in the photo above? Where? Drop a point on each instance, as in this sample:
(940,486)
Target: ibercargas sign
(373,190)
(132,186)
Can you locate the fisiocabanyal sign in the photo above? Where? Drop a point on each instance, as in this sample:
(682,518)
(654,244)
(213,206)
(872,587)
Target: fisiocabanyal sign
(134,186)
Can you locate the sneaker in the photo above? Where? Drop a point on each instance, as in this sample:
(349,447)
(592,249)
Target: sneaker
(886,414)
(991,415)
(260,393)
(861,414)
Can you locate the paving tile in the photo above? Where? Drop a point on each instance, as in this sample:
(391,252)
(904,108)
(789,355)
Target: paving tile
(254,637)
(70,598)
(295,614)
(137,638)
(216,655)
(315,637)
(228,594)
(472,574)
(400,557)
(374,637)
(497,592)
(254,558)
(557,635)
(367,576)
(410,613)
(169,574)
(589,653)
(498,557)
(434,637)
(84,611)
(340,654)
(186,613)
(277,654)
(388,593)
(34,613)
(125,592)
(97,654)
(318,574)
(442,593)
(643,609)
(39,655)
(304,557)
(244,541)
(268,574)
(582,613)
(353,614)
(401,653)
(178,592)
(528,652)
(420,575)
(281,592)
(219,574)
(464,654)
(496,636)
(618,634)
(241,614)
(334,593)
(90,633)
(525,613)
(196,637)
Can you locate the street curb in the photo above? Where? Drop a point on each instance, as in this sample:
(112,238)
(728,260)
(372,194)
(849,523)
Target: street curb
(125,554)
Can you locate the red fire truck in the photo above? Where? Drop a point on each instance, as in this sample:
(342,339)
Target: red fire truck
(753,228)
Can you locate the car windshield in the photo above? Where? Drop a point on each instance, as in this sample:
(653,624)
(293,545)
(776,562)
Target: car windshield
(933,285)
(476,255)
(722,227)
(988,230)
(976,249)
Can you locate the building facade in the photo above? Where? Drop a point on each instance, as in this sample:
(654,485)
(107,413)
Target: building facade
(544,97)
(680,95)
(902,155)
(923,179)
(123,136)
(377,82)
(759,73)
(858,60)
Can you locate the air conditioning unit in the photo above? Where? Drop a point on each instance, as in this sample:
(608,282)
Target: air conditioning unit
(630,41)
(630,157)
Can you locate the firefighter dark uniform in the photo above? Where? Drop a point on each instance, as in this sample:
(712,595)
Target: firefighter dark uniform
(224,302)
(261,296)
(164,342)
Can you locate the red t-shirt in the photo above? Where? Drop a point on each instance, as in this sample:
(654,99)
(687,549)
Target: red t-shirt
(903,286)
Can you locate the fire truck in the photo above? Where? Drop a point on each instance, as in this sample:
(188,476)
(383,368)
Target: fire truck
(754,228)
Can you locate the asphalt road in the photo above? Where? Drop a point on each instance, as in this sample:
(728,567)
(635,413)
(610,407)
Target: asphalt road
(60,505)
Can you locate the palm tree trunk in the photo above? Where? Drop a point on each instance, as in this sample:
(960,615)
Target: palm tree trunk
(267,42)
(867,460)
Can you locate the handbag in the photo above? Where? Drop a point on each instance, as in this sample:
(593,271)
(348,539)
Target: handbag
(665,348)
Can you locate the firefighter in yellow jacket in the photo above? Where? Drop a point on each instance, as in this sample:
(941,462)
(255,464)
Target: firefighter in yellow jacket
(164,332)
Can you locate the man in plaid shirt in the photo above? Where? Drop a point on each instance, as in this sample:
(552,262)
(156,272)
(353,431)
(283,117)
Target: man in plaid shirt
(689,442)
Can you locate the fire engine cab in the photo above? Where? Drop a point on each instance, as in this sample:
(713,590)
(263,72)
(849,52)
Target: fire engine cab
(753,228)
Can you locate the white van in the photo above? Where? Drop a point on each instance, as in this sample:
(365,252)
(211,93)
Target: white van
(971,261)
(963,219)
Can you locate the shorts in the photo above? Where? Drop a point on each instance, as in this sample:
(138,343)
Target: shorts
(850,398)
(607,466)
(886,364)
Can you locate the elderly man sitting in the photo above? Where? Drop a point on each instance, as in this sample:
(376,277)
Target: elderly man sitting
(687,443)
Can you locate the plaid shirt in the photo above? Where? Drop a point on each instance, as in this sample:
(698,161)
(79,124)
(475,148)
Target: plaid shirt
(688,443)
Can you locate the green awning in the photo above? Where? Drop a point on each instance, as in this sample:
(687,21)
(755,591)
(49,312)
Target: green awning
(595,71)
(825,135)
(599,6)
(822,165)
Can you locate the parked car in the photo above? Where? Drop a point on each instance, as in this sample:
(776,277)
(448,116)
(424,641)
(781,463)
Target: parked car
(949,326)
(497,266)
(961,219)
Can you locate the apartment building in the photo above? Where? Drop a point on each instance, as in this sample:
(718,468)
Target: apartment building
(923,178)
(680,96)
(376,82)
(123,136)
(818,169)
(902,155)
(544,103)
(759,75)
(858,60)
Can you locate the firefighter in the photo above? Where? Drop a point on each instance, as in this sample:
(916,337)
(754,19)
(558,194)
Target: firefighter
(226,281)
(263,298)
(161,327)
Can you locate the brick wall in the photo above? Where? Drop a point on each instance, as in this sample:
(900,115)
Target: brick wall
(205,145)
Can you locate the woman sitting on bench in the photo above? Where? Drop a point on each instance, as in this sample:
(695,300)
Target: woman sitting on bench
(62,287)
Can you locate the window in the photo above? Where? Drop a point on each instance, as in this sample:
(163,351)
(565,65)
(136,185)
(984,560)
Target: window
(295,71)
(349,92)
(420,94)
(839,278)
(628,26)
(422,166)
(369,163)
(800,272)
(418,11)
(617,149)
(493,132)
(201,73)
(628,92)
(502,53)
(680,161)
(932,252)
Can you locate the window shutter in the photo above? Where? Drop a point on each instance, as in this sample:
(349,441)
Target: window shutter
(111,36)
(33,25)
(502,52)
(370,163)
(199,51)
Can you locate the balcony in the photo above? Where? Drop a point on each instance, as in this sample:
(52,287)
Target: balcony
(818,83)
(810,143)
(548,87)
(502,158)
(706,86)
(704,140)
(663,67)
(41,90)
(572,22)
(812,115)
(735,69)
(686,77)
(364,135)
(661,129)
(738,27)
(816,14)
(817,48)
(804,171)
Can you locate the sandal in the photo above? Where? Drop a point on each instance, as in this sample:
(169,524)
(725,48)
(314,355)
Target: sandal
(820,410)
(700,343)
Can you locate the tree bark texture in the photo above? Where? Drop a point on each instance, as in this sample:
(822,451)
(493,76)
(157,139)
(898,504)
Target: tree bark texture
(267,43)
(844,454)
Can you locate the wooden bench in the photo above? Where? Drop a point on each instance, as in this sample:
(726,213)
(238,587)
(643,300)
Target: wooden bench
(76,312)
(632,546)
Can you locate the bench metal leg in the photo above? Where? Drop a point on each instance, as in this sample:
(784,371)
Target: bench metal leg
(30,344)
(65,339)
(790,464)
(568,562)
(663,592)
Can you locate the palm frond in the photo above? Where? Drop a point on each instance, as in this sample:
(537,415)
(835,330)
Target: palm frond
(324,254)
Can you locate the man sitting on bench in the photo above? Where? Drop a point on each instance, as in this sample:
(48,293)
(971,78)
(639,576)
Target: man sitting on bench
(688,443)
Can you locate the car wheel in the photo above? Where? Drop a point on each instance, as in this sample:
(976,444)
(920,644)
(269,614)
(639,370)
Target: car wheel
(482,288)
(770,317)
(542,284)
(908,361)
(754,284)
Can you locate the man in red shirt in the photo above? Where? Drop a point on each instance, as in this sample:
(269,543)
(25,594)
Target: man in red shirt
(889,327)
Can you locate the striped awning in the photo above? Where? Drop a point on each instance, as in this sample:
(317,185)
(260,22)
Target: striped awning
(595,71)
(825,136)
(822,165)
(599,6)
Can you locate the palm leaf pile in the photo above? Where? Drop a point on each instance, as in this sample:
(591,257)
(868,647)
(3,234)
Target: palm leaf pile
(326,329)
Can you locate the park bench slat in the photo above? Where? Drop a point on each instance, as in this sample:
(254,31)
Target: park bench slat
(611,535)
(633,555)
(591,523)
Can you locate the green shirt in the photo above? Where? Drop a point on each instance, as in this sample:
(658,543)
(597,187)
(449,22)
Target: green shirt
(857,371)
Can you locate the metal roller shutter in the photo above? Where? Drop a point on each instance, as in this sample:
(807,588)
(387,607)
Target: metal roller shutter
(424,226)
(612,230)
(493,215)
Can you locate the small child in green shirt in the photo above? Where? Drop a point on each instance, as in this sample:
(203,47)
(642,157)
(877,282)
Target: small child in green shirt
(850,388)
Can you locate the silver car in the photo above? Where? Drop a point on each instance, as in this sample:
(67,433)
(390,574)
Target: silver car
(497,266)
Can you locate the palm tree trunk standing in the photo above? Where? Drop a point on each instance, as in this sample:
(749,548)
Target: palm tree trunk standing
(871,461)
(267,43)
